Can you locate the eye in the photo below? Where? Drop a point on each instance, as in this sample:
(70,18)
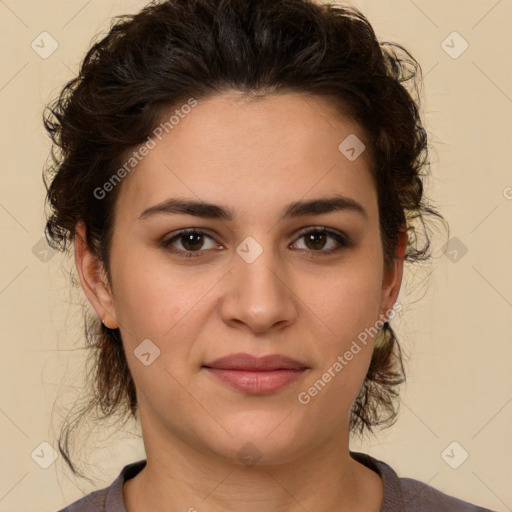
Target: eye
(316,238)
(191,240)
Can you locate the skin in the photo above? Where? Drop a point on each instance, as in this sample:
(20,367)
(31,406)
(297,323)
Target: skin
(255,158)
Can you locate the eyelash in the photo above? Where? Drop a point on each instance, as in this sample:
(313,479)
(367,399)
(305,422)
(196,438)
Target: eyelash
(342,239)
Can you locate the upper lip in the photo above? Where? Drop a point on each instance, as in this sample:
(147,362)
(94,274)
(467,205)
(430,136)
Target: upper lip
(241,361)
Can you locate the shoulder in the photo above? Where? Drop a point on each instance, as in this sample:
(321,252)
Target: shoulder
(409,495)
(94,501)
(108,499)
(421,497)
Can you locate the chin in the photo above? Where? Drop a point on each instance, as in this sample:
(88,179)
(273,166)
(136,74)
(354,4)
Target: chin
(264,439)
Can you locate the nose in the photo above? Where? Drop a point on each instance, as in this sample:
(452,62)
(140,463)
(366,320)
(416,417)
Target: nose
(259,295)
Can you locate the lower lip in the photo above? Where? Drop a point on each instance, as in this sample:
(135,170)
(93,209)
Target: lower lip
(256,383)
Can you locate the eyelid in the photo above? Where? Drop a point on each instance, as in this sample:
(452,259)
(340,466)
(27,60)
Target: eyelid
(341,237)
(167,242)
(325,229)
(343,240)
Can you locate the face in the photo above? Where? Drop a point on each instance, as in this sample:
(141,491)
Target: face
(263,279)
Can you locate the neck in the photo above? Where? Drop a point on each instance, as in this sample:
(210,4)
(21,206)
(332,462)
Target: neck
(179,477)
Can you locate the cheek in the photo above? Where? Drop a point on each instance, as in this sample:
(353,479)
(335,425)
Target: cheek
(348,308)
(345,356)
(161,304)
(347,301)
(155,299)
(169,306)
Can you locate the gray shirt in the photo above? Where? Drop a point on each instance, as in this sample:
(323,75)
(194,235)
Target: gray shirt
(400,494)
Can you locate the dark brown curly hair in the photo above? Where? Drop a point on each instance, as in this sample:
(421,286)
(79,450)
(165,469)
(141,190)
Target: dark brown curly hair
(172,50)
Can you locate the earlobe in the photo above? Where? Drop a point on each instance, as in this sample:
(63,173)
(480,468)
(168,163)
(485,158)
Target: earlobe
(93,278)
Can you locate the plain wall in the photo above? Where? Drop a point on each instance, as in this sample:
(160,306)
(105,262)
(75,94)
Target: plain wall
(455,329)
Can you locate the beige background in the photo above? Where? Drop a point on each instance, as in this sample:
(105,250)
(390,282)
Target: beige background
(458,337)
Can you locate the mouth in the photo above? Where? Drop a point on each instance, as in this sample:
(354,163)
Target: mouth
(256,375)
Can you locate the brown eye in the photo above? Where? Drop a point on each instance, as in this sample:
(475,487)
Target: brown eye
(192,243)
(316,240)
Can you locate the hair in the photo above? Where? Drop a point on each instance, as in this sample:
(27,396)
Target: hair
(153,61)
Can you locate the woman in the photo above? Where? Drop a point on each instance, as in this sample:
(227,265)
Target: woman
(242,182)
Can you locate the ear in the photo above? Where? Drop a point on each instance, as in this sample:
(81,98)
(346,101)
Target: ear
(393,278)
(93,279)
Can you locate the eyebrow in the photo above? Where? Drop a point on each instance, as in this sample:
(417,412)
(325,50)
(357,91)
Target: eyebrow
(292,210)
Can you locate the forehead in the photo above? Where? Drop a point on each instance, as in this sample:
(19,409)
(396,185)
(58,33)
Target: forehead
(250,153)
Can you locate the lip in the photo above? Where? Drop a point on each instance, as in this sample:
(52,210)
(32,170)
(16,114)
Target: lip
(256,375)
(247,362)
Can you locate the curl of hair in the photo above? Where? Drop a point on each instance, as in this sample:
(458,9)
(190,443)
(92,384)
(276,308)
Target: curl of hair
(173,50)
